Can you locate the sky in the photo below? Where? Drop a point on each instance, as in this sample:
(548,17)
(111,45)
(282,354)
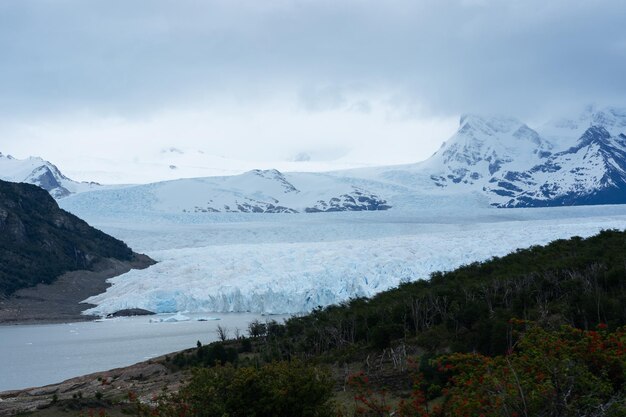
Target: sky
(96,86)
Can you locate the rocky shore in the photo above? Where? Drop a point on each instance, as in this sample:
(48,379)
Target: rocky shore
(109,389)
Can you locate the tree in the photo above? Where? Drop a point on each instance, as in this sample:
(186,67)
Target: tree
(222,333)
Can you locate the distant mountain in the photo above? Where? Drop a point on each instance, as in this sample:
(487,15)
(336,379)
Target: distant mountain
(591,172)
(39,241)
(566,162)
(564,131)
(256,191)
(42,173)
(498,160)
(483,147)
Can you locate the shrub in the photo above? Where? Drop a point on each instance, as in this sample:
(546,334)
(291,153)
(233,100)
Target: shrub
(278,389)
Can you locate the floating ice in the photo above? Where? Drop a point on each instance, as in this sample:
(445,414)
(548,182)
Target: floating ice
(173,319)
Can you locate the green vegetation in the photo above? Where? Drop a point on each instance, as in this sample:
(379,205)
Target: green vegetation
(564,372)
(278,389)
(39,241)
(207,356)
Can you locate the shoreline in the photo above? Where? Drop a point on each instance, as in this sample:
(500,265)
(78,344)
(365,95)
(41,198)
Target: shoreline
(60,302)
(146,379)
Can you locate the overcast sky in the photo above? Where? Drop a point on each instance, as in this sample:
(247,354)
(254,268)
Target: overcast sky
(366,82)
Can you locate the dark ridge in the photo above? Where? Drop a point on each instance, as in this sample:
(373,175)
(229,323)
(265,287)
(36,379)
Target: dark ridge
(39,241)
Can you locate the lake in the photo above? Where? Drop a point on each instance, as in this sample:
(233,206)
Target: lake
(35,355)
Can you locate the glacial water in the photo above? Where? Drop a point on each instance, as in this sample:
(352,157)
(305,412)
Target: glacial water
(36,355)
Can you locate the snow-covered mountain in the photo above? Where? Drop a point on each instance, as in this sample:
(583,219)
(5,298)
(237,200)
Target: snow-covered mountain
(565,131)
(42,173)
(497,161)
(501,160)
(565,162)
(483,147)
(256,191)
(593,171)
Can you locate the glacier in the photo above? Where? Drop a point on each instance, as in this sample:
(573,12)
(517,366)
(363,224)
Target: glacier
(278,263)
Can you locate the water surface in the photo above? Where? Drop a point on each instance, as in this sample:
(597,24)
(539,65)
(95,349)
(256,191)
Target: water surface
(35,355)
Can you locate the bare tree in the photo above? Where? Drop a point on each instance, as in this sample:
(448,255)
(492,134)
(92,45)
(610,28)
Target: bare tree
(222,333)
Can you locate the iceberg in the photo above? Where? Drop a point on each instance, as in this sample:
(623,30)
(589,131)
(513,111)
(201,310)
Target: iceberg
(173,319)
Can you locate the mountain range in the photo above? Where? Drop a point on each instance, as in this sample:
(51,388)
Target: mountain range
(499,160)
(565,162)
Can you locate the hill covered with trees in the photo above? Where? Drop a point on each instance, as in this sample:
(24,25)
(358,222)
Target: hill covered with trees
(39,241)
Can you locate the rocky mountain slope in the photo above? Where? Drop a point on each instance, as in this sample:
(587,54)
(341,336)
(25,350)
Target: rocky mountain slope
(39,241)
(593,171)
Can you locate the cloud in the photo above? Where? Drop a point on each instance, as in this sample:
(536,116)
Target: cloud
(133,56)
(322,98)
(133,60)
(258,135)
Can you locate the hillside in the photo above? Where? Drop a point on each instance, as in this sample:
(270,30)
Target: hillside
(39,241)
(580,282)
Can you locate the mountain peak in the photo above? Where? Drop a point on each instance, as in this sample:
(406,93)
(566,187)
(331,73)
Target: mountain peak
(37,171)
(562,130)
(484,145)
(593,135)
(596,132)
(489,124)
(593,171)
(611,118)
